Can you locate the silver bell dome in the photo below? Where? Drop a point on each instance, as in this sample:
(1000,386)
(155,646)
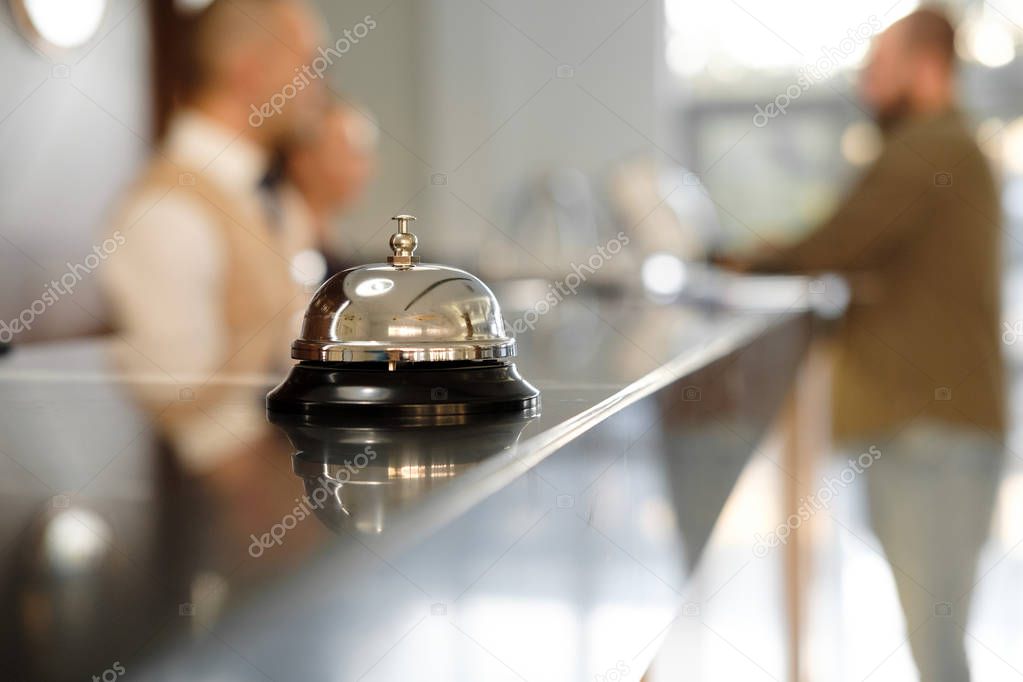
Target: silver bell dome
(403,311)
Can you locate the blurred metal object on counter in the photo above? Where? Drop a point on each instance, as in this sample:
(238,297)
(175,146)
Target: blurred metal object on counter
(640,214)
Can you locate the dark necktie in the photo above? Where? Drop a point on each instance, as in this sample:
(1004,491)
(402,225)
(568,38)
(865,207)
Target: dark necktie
(270,191)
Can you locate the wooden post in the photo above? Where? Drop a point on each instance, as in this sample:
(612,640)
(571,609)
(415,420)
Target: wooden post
(806,425)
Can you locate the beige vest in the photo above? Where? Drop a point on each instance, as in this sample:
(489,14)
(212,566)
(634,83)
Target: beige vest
(260,303)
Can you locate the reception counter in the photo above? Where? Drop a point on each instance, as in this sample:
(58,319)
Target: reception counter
(549,546)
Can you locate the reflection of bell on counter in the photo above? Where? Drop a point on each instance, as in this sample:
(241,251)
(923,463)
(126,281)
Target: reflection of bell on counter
(357,478)
(416,339)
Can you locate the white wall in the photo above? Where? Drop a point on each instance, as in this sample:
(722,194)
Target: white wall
(469,97)
(72,130)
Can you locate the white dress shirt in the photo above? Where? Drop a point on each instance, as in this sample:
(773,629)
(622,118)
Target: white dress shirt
(175,335)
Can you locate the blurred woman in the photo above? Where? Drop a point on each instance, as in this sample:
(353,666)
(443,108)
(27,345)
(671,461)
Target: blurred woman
(331,170)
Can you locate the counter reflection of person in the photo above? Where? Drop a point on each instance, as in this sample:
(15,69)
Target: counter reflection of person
(918,371)
(331,169)
(203,291)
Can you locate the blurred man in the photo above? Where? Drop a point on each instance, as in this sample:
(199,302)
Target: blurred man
(918,367)
(331,171)
(204,290)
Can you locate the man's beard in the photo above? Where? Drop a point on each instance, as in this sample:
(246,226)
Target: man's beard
(891,115)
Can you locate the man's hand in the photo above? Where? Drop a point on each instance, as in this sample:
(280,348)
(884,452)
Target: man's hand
(731,262)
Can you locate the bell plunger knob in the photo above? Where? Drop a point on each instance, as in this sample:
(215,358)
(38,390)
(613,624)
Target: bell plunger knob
(403,243)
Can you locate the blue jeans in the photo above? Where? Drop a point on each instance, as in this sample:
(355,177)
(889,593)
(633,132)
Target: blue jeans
(931,495)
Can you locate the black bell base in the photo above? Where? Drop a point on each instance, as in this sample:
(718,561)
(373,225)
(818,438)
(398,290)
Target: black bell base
(433,389)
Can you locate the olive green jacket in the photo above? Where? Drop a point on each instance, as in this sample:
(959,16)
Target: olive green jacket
(922,228)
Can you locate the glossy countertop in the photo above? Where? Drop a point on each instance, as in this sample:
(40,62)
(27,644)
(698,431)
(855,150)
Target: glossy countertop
(547,547)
